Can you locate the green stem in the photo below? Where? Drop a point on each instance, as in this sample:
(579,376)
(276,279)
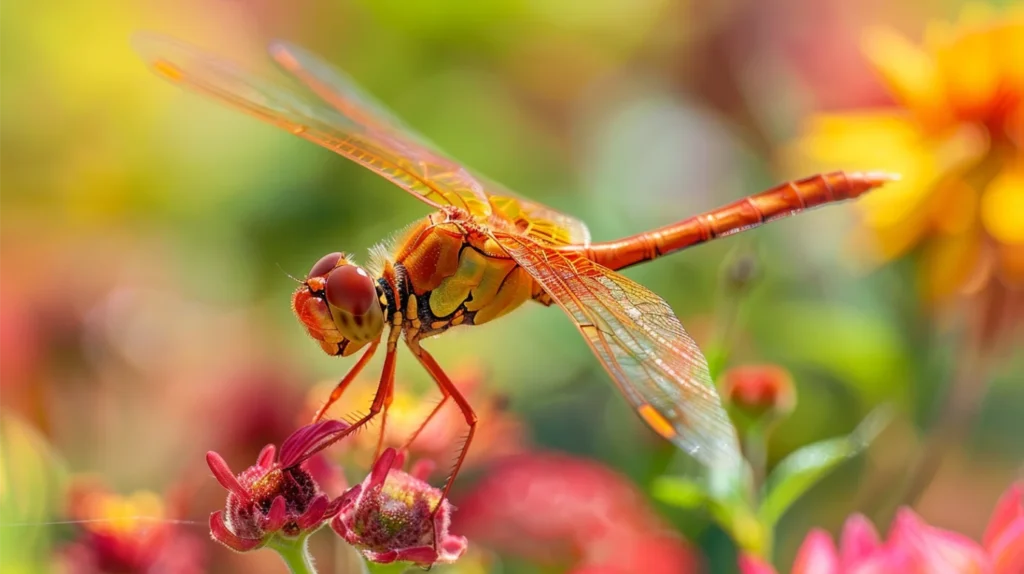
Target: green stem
(957,413)
(754,442)
(295,553)
(720,347)
(740,275)
(755,447)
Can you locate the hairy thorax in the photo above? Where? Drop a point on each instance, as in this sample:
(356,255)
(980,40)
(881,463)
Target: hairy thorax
(446,271)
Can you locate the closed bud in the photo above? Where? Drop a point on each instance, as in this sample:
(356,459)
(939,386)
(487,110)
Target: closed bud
(759,392)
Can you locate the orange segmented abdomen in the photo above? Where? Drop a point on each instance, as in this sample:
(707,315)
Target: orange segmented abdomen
(781,201)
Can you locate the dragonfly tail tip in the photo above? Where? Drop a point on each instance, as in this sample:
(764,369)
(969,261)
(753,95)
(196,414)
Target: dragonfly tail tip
(878,178)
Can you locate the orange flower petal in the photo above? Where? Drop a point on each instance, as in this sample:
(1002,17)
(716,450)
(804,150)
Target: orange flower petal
(910,73)
(949,264)
(953,207)
(874,141)
(970,71)
(1002,206)
(1011,264)
(1010,52)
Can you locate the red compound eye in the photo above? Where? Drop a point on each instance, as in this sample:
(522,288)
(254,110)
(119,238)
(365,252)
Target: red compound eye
(324,265)
(350,289)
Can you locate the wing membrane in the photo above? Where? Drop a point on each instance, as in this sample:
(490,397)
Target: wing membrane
(344,95)
(352,133)
(641,344)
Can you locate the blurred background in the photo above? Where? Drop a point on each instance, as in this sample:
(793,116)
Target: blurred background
(148,236)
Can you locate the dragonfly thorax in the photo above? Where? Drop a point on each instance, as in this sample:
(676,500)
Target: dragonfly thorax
(340,305)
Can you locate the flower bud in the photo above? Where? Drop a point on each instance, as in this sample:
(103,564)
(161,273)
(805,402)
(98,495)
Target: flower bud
(759,392)
(741,271)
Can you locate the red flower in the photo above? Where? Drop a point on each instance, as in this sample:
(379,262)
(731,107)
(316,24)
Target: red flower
(129,534)
(394,516)
(1004,536)
(750,564)
(553,507)
(916,547)
(912,546)
(759,390)
(274,498)
(264,406)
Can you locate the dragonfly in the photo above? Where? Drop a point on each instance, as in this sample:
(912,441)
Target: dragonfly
(485,251)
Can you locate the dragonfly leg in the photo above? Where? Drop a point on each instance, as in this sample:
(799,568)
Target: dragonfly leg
(339,389)
(449,389)
(437,408)
(388,398)
(380,399)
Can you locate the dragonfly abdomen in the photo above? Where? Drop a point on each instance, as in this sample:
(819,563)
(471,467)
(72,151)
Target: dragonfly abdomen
(776,203)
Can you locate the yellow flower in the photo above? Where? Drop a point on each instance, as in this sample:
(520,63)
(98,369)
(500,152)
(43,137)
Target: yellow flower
(956,136)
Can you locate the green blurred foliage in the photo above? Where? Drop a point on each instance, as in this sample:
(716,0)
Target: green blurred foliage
(32,480)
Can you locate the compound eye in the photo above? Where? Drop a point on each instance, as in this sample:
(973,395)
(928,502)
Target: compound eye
(324,265)
(350,289)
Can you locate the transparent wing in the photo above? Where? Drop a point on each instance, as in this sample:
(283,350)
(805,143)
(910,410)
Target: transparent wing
(335,88)
(352,132)
(641,344)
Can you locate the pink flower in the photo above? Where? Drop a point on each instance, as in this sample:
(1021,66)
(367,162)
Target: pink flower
(1004,537)
(556,508)
(913,546)
(396,516)
(274,497)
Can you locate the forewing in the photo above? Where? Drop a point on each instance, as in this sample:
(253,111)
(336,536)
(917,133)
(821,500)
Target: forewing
(334,87)
(353,134)
(641,344)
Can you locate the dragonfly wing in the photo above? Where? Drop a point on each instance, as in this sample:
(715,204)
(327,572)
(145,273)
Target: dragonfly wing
(641,344)
(334,87)
(352,135)
(538,221)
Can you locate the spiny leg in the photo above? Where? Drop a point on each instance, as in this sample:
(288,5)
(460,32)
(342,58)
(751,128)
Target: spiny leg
(449,389)
(384,387)
(388,399)
(437,408)
(347,380)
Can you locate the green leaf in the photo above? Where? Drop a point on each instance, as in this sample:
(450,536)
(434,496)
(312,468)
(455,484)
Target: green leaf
(679,492)
(733,512)
(802,469)
(864,349)
(31,482)
(392,568)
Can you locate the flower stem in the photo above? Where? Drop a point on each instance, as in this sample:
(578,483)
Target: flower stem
(295,553)
(754,442)
(958,411)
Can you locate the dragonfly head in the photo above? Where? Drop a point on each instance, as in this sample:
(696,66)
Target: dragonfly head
(339,305)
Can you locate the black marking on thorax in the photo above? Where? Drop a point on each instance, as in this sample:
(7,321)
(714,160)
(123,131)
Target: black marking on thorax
(387,296)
